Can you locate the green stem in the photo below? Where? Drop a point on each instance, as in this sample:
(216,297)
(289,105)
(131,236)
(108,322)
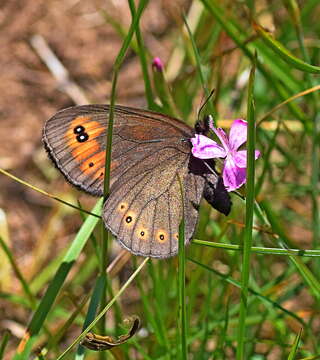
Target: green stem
(259,249)
(249,219)
(106,186)
(144,66)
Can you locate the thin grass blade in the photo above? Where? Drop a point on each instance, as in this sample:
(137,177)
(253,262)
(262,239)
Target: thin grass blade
(93,306)
(284,53)
(3,343)
(295,345)
(249,217)
(182,282)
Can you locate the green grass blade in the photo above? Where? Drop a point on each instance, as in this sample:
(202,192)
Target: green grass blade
(55,285)
(158,314)
(18,273)
(293,8)
(249,218)
(15,178)
(143,61)
(284,53)
(109,136)
(93,306)
(239,36)
(55,338)
(295,345)
(199,66)
(306,274)
(259,249)
(120,57)
(4,342)
(236,283)
(164,93)
(182,282)
(119,28)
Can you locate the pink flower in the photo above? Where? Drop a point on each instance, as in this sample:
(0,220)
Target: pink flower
(235,163)
(157,64)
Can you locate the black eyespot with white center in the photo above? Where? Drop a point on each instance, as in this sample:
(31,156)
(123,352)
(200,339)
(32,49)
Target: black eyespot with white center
(79,129)
(82,137)
(128,219)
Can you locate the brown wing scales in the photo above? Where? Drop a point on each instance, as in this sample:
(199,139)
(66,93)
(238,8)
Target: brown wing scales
(144,207)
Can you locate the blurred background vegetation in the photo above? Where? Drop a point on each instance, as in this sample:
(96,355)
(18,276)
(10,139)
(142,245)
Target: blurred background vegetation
(217,53)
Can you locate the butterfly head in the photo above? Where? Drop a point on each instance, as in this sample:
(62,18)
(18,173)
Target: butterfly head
(202,127)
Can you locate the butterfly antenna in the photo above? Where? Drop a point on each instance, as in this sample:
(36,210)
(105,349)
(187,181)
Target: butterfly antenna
(205,102)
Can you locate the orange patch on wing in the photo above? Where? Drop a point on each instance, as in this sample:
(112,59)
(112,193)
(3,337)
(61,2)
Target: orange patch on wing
(97,160)
(162,236)
(101,171)
(142,233)
(85,149)
(93,133)
(82,150)
(79,120)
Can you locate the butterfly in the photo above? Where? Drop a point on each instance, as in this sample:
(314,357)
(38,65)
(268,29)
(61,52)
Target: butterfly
(150,152)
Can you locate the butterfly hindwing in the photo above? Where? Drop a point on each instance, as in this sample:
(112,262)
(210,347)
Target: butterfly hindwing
(145,211)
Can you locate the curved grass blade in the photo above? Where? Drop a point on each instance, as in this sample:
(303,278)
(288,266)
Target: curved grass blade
(284,53)
(296,96)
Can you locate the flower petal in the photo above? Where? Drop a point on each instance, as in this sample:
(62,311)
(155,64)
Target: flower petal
(233,176)
(196,140)
(238,134)
(206,148)
(222,137)
(240,158)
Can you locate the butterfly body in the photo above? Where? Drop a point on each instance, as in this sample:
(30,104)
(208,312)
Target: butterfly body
(150,152)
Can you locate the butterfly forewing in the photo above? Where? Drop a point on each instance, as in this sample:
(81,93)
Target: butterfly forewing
(149,151)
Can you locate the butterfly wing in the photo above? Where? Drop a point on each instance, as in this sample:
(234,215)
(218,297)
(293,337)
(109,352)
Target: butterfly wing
(149,151)
(144,209)
(75,140)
